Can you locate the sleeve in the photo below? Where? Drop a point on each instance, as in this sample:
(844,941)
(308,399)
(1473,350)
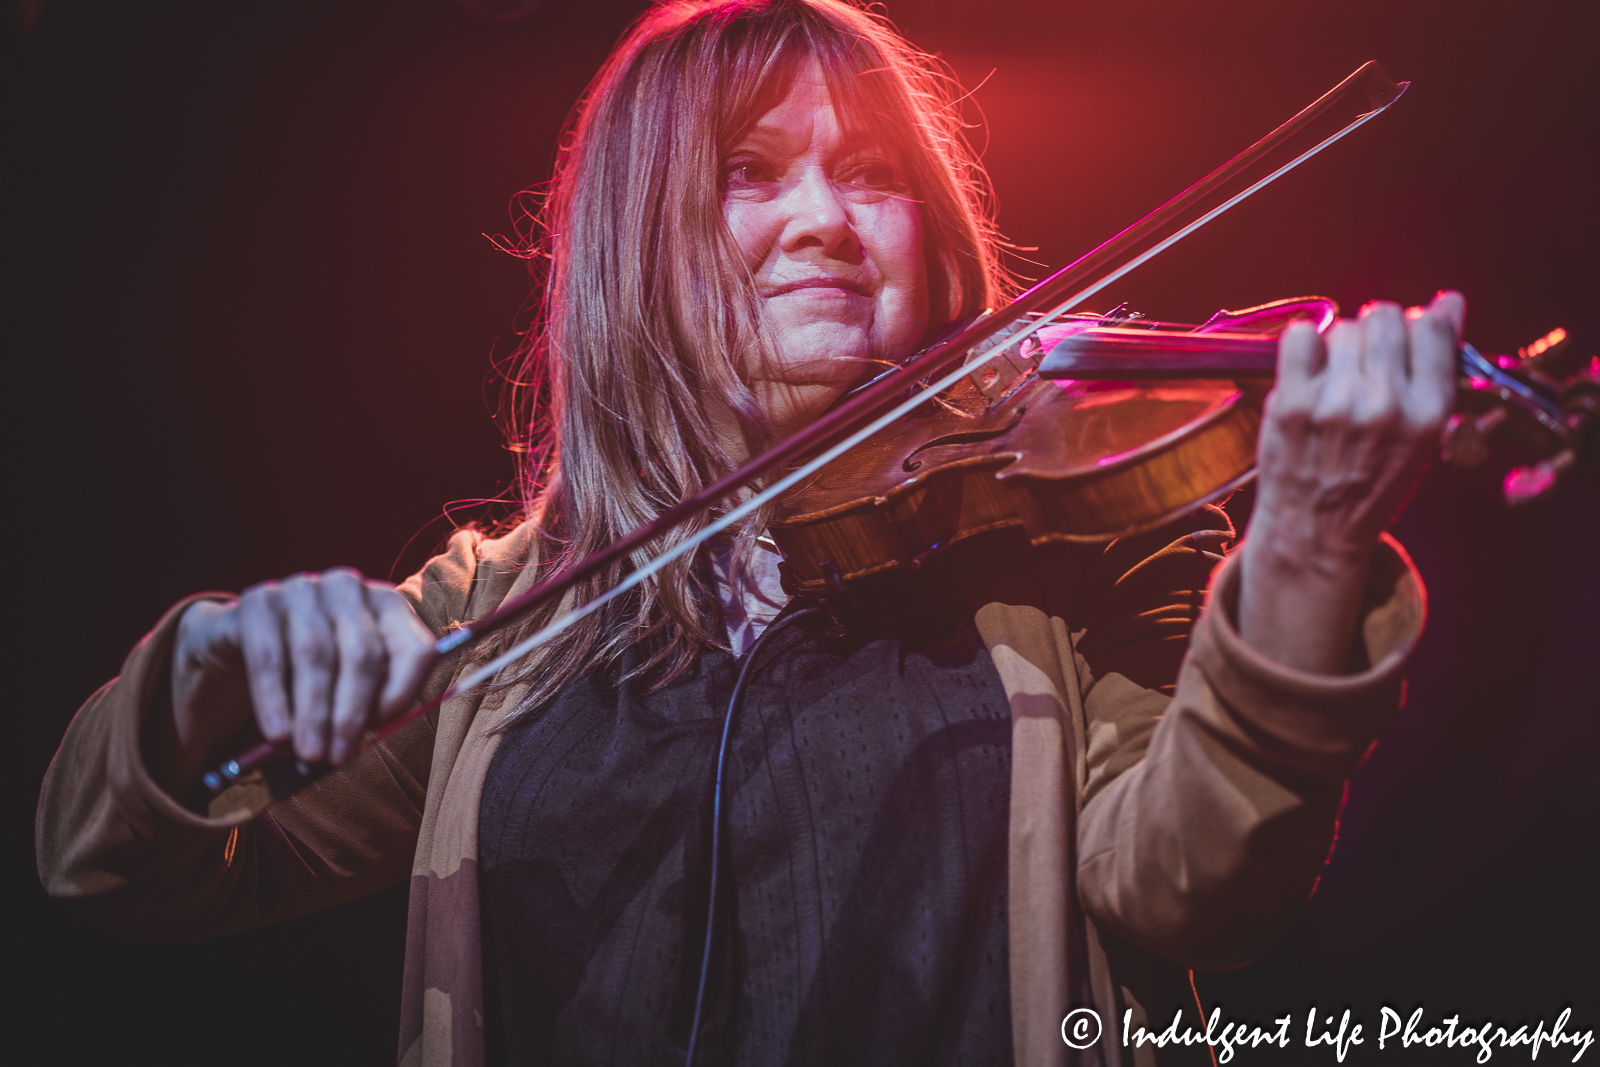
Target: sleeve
(1208,816)
(116,848)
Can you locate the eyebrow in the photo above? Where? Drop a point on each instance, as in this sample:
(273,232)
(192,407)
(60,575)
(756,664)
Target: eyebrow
(759,136)
(758,132)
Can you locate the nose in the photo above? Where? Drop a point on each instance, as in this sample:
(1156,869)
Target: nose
(819,218)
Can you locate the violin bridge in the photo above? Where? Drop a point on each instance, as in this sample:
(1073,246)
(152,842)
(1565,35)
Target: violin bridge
(996,377)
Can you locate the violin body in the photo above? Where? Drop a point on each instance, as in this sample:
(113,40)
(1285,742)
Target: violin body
(1074,460)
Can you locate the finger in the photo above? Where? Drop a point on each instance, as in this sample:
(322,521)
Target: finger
(225,628)
(363,662)
(313,659)
(1341,380)
(1385,363)
(1448,304)
(1301,357)
(1452,307)
(265,658)
(409,644)
(1435,336)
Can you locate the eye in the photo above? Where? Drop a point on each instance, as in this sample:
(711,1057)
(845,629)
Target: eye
(742,172)
(875,175)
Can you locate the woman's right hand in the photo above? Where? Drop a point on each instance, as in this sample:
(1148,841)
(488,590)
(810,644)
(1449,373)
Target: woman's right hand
(318,658)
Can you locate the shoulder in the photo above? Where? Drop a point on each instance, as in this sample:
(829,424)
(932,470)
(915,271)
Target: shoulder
(1072,580)
(1175,559)
(474,573)
(1157,577)
(1128,604)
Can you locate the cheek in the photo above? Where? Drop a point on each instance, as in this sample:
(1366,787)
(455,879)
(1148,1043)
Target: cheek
(899,253)
(752,229)
(911,245)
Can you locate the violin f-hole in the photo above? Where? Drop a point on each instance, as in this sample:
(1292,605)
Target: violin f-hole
(912,464)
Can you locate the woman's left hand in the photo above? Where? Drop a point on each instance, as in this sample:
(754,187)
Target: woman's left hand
(1346,433)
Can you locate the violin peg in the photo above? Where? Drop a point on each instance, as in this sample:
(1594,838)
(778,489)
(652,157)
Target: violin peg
(1554,339)
(1526,484)
(1466,437)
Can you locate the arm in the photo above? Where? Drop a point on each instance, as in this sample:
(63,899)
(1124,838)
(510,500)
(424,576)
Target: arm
(1346,433)
(1203,834)
(1207,821)
(115,842)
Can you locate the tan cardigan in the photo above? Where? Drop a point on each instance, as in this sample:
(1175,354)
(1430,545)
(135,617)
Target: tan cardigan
(1197,840)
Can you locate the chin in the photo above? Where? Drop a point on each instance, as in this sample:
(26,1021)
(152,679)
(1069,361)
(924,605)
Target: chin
(822,353)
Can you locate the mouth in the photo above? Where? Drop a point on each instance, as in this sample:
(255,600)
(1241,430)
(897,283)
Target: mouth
(844,284)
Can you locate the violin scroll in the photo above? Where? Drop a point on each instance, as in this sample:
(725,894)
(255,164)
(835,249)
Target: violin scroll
(1543,396)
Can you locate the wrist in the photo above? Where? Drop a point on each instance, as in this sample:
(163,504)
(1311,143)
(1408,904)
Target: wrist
(1299,607)
(1303,553)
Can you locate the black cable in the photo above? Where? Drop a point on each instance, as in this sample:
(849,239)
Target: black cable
(716,814)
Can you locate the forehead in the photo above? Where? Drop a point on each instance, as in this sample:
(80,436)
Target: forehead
(804,113)
(809,108)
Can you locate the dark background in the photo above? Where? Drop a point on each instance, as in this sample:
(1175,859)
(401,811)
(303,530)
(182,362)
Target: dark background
(257,316)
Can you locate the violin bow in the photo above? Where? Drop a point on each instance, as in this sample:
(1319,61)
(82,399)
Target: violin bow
(1352,103)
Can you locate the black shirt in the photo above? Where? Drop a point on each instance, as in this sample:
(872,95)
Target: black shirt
(867,819)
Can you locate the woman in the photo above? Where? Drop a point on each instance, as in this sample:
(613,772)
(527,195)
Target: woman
(760,203)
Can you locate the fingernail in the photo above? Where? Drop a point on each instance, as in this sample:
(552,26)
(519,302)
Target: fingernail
(337,755)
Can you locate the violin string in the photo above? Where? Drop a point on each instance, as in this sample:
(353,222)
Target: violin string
(528,644)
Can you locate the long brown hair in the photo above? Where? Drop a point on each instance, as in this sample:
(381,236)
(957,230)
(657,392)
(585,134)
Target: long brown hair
(649,322)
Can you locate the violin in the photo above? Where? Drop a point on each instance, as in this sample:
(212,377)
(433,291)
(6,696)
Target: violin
(1005,420)
(1099,427)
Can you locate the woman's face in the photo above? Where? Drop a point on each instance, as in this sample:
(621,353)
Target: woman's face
(834,241)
